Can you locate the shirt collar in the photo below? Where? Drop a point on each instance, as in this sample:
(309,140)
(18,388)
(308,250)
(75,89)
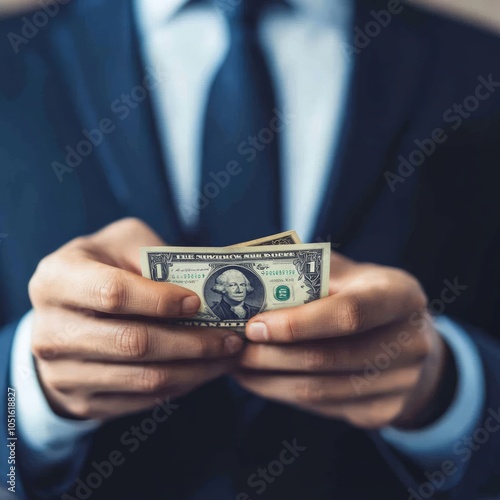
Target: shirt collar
(335,11)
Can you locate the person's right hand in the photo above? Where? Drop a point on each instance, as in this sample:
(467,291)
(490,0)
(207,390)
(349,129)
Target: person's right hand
(100,342)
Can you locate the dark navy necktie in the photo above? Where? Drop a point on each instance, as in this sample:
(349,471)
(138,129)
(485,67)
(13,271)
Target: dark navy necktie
(240,166)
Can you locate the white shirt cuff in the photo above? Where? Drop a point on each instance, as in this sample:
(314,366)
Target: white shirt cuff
(432,446)
(48,438)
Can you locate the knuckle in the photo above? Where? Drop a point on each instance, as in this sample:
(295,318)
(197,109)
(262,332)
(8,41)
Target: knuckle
(384,411)
(294,330)
(420,298)
(376,414)
(48,376)
(309,393)
(351,318)
(153,380)
(51,338)
(37,345)
(112,294)
(342,358)
(166,305)
(76,246)
(133,223)
(411,382)
(44,348)
(364,422)
(49,352)
(34,288)
(204,348)
(424,344)
(81,408)
(416,297)
(36,285)
(132,341)
(317,359)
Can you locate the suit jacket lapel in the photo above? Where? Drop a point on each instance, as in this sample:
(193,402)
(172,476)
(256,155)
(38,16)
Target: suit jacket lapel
(101,67)
(385,85)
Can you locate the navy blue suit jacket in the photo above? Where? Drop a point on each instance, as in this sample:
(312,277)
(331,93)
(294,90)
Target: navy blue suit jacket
(440,221)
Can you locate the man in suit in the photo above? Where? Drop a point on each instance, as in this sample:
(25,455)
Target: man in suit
(234,287)
(366,124)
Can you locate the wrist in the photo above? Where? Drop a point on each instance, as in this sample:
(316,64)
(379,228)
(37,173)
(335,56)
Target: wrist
(440,398)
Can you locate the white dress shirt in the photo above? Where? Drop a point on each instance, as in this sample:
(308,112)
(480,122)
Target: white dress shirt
(303,44)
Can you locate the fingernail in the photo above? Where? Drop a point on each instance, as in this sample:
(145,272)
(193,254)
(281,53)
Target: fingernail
(257,332)
(190,305)
(233,343)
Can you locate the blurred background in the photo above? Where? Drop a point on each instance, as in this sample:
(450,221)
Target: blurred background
(485,13)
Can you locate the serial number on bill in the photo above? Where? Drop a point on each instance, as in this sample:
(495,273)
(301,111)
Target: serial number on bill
(191,276)
(280,272)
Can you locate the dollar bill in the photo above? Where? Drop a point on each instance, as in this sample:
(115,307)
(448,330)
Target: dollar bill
(286,238)
(235,284)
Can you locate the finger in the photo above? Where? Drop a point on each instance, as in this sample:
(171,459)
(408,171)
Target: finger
(366,413)
(102,378)
(108,406)
(345,313)
(81,282)
(319,390)
(389,346)
(67,335)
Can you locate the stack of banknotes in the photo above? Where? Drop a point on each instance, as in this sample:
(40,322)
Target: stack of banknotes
(238,282)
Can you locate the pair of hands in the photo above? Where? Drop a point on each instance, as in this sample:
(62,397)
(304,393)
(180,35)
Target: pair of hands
(103,348)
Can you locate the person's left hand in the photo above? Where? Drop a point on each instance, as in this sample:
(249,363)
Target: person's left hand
(367,354)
